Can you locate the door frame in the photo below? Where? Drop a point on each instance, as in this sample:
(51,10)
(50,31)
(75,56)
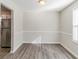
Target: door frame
(12,26)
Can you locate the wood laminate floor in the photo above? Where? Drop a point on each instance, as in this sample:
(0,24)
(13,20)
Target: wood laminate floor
(4,52)
(40,51)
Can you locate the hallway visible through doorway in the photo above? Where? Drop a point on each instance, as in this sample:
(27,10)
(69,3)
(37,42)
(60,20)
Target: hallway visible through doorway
(5,31)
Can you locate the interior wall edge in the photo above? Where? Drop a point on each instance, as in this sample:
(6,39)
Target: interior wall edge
(17,48)
(68,6)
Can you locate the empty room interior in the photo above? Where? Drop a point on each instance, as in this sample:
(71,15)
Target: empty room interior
(39,29)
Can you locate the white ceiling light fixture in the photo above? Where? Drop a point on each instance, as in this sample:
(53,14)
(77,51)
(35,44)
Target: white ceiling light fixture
(42,2)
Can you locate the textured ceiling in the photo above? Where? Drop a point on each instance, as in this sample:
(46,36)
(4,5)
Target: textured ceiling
(50,4)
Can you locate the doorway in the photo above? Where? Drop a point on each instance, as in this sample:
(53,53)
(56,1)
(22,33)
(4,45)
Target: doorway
(5,31)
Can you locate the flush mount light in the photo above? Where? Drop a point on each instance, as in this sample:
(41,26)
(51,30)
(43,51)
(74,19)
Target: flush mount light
(42,2)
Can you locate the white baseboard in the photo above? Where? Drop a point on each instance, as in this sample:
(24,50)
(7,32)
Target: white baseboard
(43,42)
(69,50)
(16,48)
(33,43)
(47,43)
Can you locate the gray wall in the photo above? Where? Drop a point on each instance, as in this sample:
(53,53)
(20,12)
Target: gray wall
(41,27)
(66,28)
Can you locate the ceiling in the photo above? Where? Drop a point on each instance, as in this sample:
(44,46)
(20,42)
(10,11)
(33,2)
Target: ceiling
(32,5)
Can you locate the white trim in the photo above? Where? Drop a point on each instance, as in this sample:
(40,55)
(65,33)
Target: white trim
(42,42)
(66,33)
(16,48)
(43,31)
(18,32)
(33,43)
(69,50)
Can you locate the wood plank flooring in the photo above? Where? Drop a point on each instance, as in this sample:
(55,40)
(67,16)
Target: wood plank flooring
(40,51)
(4,52)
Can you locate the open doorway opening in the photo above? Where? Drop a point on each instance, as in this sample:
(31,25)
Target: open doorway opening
(5,31)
